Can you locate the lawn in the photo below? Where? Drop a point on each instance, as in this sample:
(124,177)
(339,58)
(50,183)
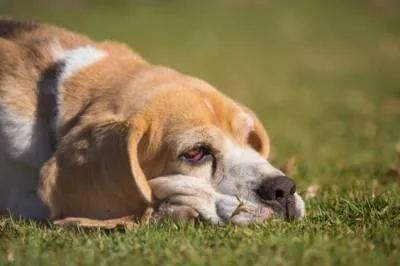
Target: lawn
(323,76)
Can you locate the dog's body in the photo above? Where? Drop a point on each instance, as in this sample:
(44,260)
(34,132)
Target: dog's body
(92,130)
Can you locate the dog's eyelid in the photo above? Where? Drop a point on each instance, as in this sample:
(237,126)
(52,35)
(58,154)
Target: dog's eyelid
(204,145)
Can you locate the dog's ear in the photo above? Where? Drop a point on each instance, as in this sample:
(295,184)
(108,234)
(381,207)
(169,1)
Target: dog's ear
(136,131)
(95,173)
(257,138)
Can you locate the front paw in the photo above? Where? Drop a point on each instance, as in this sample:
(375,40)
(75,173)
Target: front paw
(175,212)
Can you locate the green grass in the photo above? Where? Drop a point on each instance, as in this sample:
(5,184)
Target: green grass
(324,77)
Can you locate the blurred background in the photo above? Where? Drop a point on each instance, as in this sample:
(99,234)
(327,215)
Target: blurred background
(323,76)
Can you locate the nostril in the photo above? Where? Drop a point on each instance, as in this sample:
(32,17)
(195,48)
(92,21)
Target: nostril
(279,194)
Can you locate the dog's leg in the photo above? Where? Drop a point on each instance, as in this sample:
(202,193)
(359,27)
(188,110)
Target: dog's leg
(18,198)
(29,206)
(24,147)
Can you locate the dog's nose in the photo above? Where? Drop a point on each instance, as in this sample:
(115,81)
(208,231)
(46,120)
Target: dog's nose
(277,188)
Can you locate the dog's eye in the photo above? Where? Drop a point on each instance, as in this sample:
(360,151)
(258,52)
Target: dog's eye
(196,154)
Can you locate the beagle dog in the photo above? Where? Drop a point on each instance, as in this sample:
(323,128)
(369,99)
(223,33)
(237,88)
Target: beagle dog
(91,130)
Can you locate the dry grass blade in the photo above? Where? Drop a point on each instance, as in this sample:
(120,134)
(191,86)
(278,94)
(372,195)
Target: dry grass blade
(290,165)
(394,171)
(377,189)
(392,105)
(240,208)
(391,176)
(146,218)
(10,254)
(382,183)
(312,191)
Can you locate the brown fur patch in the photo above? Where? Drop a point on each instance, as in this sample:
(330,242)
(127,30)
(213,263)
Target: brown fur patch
(10,28)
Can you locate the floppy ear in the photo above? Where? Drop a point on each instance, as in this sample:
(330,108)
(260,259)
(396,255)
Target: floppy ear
(136,131)
(258,138)
(95,173)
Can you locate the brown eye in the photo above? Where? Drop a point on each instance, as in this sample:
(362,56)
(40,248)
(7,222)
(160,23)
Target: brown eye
(195,155)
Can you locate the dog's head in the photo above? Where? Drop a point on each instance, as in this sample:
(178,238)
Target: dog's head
(196,131)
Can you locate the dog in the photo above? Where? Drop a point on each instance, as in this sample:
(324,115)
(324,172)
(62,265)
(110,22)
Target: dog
(91,130)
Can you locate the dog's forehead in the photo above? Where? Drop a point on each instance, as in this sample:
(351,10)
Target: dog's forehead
(187,102)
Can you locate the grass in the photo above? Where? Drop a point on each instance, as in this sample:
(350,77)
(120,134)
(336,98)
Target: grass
(324,79)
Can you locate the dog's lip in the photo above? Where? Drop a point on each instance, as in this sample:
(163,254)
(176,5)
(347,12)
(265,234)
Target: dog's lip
(265,212)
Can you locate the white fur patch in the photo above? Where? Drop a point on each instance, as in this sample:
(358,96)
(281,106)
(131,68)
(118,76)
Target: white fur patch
(77,59)
(300,205)
(239,155)
(17,130)
(245,169)
(24,138)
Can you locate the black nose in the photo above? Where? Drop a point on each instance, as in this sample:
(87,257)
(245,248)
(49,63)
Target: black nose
(277,188)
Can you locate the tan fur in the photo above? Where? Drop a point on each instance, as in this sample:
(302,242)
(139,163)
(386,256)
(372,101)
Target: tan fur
(115,122)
